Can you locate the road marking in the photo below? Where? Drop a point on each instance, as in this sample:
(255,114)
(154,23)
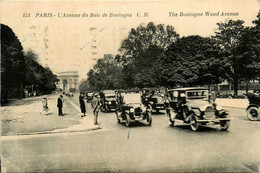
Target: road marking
(128,134)
(77,107)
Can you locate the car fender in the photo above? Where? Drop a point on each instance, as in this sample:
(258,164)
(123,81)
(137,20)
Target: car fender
(222,113)
(195,111)
(252,105)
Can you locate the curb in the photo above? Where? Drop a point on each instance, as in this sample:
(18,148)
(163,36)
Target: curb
(57,131)
(54,132)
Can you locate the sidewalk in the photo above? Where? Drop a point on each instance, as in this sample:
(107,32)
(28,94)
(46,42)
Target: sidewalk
(233,103)
(22,117)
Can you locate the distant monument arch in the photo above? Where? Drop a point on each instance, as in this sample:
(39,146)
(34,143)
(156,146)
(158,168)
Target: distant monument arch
(67,80)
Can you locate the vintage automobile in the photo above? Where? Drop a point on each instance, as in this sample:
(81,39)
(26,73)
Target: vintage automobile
(131,109)
(89,96)
(70,94)
(192,106)
(108,100)
(152,98)
(253,108)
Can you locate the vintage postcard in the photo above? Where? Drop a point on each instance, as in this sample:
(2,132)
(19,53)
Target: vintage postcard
(130,86)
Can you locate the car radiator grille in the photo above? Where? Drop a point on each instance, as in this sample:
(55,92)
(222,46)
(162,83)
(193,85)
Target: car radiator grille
(138,111)
(209,113)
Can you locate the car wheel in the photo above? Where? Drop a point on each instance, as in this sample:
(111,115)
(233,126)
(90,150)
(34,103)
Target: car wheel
(194,123)
(224,125)
(149,119)
(127,121)
(117,117)
(253,114)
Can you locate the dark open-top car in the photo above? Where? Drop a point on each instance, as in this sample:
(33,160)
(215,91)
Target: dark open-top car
(108,100)
(153,99)
(192,106)
(254,106)
(131,109)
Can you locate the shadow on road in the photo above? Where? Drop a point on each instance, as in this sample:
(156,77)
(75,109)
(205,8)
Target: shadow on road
(135,124)
(202,129)
(158,113)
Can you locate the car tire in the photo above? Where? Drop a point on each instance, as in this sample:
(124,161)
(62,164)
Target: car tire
(224,125)
(117,117)
(194,123)
(149,119)
(253,113)
(127,121)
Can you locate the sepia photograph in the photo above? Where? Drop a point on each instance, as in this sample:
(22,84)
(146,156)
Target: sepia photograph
(130,86)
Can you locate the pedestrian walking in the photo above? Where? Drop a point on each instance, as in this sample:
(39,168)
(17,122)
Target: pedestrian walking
(82,105)
(60,105)
(96,106)
(45,108)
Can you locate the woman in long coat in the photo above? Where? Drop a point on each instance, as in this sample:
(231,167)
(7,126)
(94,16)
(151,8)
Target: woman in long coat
(82,105)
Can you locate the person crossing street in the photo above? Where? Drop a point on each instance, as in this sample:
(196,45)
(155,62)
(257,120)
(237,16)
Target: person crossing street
(96,106)
(82,105)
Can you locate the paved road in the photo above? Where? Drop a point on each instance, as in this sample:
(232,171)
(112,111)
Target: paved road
(139,148)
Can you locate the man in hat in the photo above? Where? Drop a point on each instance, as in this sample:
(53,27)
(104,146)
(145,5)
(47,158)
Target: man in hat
(59,105)
(96,106)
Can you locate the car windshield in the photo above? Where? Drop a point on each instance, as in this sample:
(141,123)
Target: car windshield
(110,96)
(159,99)
(132,97)
(109,92)
(200,94)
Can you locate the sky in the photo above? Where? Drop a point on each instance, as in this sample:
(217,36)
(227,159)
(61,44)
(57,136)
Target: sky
(76,41)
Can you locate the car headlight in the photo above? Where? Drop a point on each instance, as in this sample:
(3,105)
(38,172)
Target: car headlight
(109,102)
(132,110)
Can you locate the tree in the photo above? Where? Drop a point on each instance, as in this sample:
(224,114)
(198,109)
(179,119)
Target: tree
(37,77)
(144,68)
(106,74)
(84,85)
(143,37)
(191,60)
(229,36)
(249,49)
(140,51)
(12,64)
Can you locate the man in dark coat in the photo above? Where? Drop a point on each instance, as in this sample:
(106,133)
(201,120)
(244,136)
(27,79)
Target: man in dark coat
(59,105)
(82,105)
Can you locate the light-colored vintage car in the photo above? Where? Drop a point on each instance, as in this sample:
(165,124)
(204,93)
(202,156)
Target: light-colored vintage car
(192,106)
(131,109)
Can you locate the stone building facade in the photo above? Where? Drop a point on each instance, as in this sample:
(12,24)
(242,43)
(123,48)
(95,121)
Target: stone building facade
(67,80)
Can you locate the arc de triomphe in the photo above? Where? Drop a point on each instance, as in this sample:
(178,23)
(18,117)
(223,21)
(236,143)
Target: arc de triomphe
(67,80)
